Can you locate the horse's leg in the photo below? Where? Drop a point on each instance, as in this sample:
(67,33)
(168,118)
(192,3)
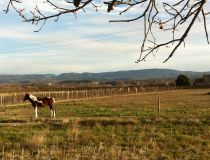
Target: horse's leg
(54,111)
(53,106)
(51,110)
(35,110)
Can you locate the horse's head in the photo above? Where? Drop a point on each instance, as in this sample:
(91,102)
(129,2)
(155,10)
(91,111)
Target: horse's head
(26,97)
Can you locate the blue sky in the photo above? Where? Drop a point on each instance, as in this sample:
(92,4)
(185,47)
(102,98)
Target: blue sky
(89,44)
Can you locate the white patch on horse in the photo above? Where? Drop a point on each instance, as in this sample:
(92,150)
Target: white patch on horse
(35,99)
(40,102)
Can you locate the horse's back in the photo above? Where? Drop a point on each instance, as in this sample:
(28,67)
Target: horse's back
(47,100)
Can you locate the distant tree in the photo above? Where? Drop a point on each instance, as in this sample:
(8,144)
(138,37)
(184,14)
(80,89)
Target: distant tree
(169,16)
(183,80)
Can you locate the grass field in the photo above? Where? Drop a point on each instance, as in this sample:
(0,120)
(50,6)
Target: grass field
(117,128)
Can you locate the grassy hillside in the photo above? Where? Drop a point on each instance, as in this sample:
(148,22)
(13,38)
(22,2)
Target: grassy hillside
(113,128)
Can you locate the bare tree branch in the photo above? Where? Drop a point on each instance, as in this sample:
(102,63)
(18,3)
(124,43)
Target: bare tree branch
(168,16)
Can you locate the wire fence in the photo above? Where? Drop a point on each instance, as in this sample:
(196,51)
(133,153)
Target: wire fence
(17,97)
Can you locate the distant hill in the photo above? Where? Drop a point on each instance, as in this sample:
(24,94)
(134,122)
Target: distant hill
(26,78)
(144,74)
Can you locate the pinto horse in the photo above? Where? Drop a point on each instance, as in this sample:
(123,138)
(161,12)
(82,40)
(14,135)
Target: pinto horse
(41,102)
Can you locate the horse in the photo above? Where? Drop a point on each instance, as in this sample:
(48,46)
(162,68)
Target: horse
(41,102)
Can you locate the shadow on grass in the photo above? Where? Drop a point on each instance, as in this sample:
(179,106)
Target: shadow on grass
(13,121)
(106,122)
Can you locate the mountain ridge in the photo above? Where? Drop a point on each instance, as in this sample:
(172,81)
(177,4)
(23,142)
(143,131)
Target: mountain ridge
(144,74)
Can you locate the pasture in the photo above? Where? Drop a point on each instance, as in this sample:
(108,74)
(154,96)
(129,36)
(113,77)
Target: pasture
(116,128)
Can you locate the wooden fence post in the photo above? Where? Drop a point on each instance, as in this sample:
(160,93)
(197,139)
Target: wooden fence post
(62,94)
(158,106)
(1,100)
(86,93)
(15,98)
(67,94)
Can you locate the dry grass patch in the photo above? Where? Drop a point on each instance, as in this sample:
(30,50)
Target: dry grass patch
(35,141)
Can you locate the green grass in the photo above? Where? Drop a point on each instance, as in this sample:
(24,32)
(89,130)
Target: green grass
(111,128)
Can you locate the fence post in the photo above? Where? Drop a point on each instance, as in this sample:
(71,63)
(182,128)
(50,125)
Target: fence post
(158,106)
(1,100)
(67,94)
(86,93)
(62,94)
(14,101)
